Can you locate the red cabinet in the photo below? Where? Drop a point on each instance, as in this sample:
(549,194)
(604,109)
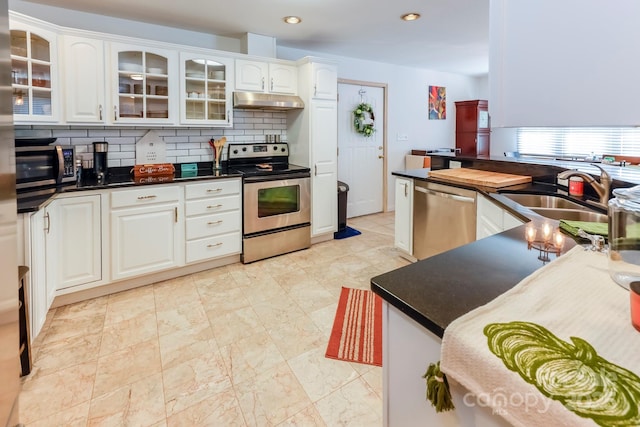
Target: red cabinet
(472,127)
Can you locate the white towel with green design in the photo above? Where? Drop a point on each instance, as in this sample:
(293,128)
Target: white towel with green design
(556,350)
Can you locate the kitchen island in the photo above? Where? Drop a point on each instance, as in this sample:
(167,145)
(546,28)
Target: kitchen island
(422,299)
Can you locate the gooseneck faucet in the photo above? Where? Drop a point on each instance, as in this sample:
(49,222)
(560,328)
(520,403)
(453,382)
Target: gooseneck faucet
(601,188)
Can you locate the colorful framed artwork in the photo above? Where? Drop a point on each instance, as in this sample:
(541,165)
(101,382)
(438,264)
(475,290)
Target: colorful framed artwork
(437,103)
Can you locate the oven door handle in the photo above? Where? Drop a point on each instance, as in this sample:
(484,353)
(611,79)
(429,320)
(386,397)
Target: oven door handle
(276,177)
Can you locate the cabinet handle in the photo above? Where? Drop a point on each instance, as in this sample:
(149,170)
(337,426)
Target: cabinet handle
(263,83)
(216,245)
(48,218)
(214,207)
(100,112)
(315,170)
(380,156)
(176,213)
(406,189)
(115,112)
(315,90)
(213,190)
(271,88)
(214,222)
(151,196)
(228,117)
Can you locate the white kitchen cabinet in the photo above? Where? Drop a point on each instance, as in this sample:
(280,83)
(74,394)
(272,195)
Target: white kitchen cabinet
(213,224)
(324,173)
(313,142)
(206,89)
(146,230)
(34,71)
(144,84)
(408,349)
(74,241)
(84,79)
(37,263)
(257,76)
(403,233)
(492,219)
(324,80)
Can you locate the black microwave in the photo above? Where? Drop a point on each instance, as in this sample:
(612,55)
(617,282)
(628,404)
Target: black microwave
(39,166)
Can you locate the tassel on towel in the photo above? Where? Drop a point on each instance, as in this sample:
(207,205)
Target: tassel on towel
(438,392)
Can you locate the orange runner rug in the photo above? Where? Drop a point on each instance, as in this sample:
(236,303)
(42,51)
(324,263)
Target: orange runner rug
(357,329)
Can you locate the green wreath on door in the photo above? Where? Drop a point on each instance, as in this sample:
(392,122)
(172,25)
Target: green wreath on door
(363,119)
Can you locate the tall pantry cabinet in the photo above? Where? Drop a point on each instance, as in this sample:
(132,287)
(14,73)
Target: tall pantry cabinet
(472,127)
(312,135)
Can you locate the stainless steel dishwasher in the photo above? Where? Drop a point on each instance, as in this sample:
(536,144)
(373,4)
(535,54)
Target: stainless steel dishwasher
(444,218)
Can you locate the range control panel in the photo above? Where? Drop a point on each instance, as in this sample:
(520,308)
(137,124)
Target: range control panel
(257,150)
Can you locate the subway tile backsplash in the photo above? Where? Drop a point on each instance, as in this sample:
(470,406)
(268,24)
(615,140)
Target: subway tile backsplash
(183,144)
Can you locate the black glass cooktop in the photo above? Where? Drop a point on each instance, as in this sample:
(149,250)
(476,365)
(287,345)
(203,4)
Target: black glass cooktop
(269,169)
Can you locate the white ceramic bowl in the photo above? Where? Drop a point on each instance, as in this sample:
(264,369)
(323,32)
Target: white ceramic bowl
(126,66)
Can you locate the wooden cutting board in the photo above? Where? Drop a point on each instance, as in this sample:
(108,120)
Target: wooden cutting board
(479,177)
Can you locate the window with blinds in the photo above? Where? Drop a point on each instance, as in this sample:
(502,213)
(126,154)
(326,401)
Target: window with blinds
(578,142)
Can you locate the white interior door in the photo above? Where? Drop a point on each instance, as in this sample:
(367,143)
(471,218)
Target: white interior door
(360,161)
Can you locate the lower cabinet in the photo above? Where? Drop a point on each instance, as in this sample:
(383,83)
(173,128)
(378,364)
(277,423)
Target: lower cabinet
(63,250)
(37,262)
(492,219)
(74,241)
(83,240)
(408,349)
(213,225)
(403,233)
(146,235)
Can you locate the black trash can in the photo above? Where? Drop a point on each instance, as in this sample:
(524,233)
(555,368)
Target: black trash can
(343,189)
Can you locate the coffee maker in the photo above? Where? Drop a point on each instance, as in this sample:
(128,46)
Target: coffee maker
(100,149)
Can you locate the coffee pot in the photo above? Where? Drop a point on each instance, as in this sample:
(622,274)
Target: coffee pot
(100,149)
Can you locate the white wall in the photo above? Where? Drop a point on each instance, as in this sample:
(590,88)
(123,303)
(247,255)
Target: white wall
(407,104)
(564,63)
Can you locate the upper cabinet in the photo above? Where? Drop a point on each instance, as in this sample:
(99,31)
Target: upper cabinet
(206,86)
(143,84)
(83,69)
(257,76)
(34,75)
(325,81)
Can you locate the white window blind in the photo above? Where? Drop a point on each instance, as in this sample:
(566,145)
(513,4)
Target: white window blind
(579,142)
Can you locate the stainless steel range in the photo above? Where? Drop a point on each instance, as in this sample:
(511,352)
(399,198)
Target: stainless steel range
(276,200)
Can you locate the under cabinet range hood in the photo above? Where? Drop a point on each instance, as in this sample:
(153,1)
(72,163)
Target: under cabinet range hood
(266,101)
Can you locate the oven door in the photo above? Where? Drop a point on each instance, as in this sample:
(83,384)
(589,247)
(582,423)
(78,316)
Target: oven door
(273,202)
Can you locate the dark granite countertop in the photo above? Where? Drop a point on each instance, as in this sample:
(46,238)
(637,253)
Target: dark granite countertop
(437,290)
(119,177)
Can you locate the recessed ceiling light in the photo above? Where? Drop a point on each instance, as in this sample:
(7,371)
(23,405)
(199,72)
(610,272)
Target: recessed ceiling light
(292,19)
(410,16)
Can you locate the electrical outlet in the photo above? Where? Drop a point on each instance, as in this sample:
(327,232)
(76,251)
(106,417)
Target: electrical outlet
(402,137)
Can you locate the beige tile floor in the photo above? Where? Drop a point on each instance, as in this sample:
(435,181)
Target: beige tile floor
(241,345)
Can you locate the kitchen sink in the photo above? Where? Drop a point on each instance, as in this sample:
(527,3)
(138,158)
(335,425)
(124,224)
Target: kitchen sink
(543,201)
(570,214)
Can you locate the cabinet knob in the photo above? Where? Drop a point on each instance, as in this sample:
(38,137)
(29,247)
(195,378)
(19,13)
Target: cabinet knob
(380,156)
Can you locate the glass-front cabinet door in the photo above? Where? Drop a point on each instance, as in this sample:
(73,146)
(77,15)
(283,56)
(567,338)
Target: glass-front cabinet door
(144,85)
(33,74)
(206,90)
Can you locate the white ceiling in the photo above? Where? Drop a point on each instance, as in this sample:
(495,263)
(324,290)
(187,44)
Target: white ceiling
(451,36)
